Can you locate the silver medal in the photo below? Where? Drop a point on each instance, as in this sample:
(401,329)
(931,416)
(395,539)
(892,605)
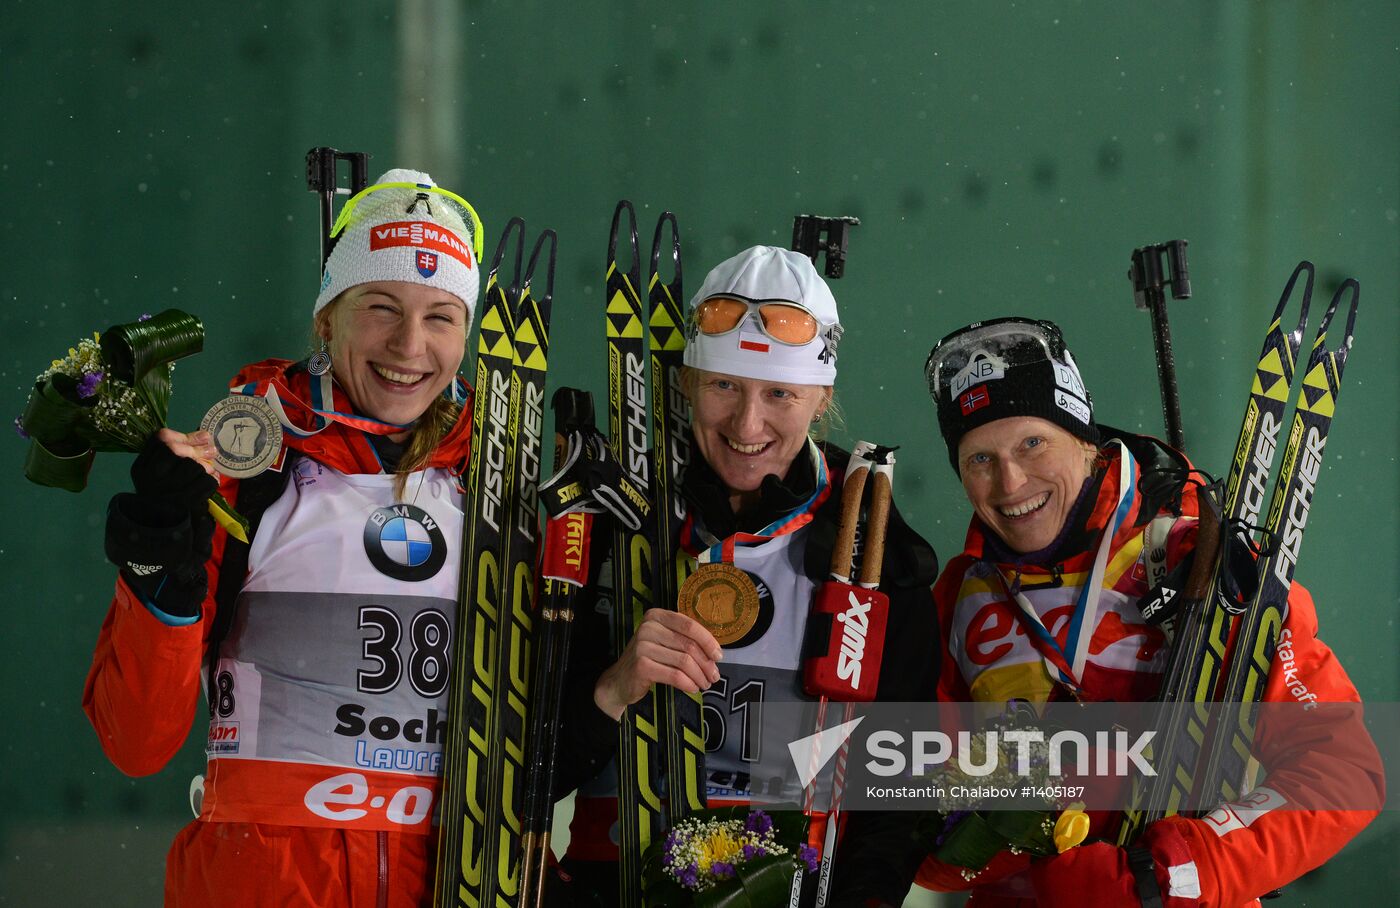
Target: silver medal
(247,435)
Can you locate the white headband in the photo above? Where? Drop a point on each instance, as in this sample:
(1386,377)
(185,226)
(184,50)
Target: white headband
(762,274)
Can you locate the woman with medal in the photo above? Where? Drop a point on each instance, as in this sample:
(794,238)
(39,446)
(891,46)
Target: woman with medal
(324,743)
(1070,519)
(762,500)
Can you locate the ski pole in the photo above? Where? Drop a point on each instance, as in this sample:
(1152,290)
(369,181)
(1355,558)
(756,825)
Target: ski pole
(1148,279)
(321,177)
(563,571)
(807,231)
(871,559)
(846,664)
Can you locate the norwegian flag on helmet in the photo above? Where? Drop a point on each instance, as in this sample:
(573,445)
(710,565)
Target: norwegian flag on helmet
(975,399)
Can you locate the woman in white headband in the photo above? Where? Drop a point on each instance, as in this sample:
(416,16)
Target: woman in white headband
(761,496)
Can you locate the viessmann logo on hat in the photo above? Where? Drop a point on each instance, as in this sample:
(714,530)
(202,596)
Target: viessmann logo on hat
(422,234)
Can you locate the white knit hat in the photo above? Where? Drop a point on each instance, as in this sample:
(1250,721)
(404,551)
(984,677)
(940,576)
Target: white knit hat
(400,234)
(767,274)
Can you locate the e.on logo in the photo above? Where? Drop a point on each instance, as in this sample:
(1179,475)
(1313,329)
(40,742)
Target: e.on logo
(341,798)
(994,631)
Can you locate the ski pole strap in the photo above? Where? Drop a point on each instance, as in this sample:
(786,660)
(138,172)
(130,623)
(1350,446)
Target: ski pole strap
(1145,876)
(591,481)
(1070,670)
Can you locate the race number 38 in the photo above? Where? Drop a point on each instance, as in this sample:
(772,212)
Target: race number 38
(343,798)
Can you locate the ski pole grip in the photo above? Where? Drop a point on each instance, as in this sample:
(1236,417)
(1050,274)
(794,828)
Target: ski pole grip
(1207,556)
(844,551)
(876,525)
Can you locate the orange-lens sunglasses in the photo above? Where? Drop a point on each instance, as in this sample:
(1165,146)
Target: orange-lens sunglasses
(786,323)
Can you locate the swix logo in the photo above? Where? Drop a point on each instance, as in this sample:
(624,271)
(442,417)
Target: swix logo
(421,234)
(1302,504)
(855,621)
(636,420)
(530,464)
(680,440)
(496,449)
(1258,477)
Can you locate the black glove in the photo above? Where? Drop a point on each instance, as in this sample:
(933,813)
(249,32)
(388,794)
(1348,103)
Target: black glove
(161,535)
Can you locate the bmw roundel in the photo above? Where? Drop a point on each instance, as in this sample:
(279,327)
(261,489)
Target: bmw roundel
(404,542)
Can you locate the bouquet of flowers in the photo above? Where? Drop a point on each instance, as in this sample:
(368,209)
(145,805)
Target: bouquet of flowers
(110,393)
(733,856)
(970,838)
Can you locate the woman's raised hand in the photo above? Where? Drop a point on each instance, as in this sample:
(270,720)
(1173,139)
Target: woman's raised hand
(668,648)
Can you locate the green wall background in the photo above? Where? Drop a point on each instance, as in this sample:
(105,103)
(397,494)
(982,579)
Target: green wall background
(1004,159)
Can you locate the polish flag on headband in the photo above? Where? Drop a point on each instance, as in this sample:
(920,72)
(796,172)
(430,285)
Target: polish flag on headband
(750,338)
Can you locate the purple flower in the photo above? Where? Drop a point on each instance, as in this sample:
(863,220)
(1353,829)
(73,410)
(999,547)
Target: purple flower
(690,876)
(721,870)
(19,428)
(145,317)
(808,855)
(758,822)
(953,818)
(754,851)
(87,385)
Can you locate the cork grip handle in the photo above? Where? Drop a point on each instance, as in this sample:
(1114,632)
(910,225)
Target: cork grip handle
(844,550)
(876,523)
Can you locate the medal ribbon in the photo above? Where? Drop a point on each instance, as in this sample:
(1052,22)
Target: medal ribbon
(722,551)
(1086,609)
(281,398)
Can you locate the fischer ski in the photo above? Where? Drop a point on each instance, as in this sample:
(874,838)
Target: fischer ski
(510,715)
(633,561)
(1206,635)
(466,843)
(670,432)
(1255,640)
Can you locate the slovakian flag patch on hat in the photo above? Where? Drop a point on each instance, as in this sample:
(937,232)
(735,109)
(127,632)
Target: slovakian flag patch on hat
(422,234)
(974,400)
(427,263)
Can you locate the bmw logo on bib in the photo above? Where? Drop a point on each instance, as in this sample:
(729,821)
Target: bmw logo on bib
(405,542)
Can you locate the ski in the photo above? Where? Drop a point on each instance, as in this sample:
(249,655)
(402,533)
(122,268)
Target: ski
(1203,623)
(1226,769)
(506,743)
(670,431)
(465,847)
(633,567)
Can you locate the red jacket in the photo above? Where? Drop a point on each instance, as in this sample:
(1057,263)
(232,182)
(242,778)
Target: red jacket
(1237,854)
(142,695)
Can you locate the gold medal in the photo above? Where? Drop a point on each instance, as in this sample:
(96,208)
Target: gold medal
(721,597)
(247,435)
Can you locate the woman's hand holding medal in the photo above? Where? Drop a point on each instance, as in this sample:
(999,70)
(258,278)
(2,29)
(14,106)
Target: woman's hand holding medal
(668,648)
